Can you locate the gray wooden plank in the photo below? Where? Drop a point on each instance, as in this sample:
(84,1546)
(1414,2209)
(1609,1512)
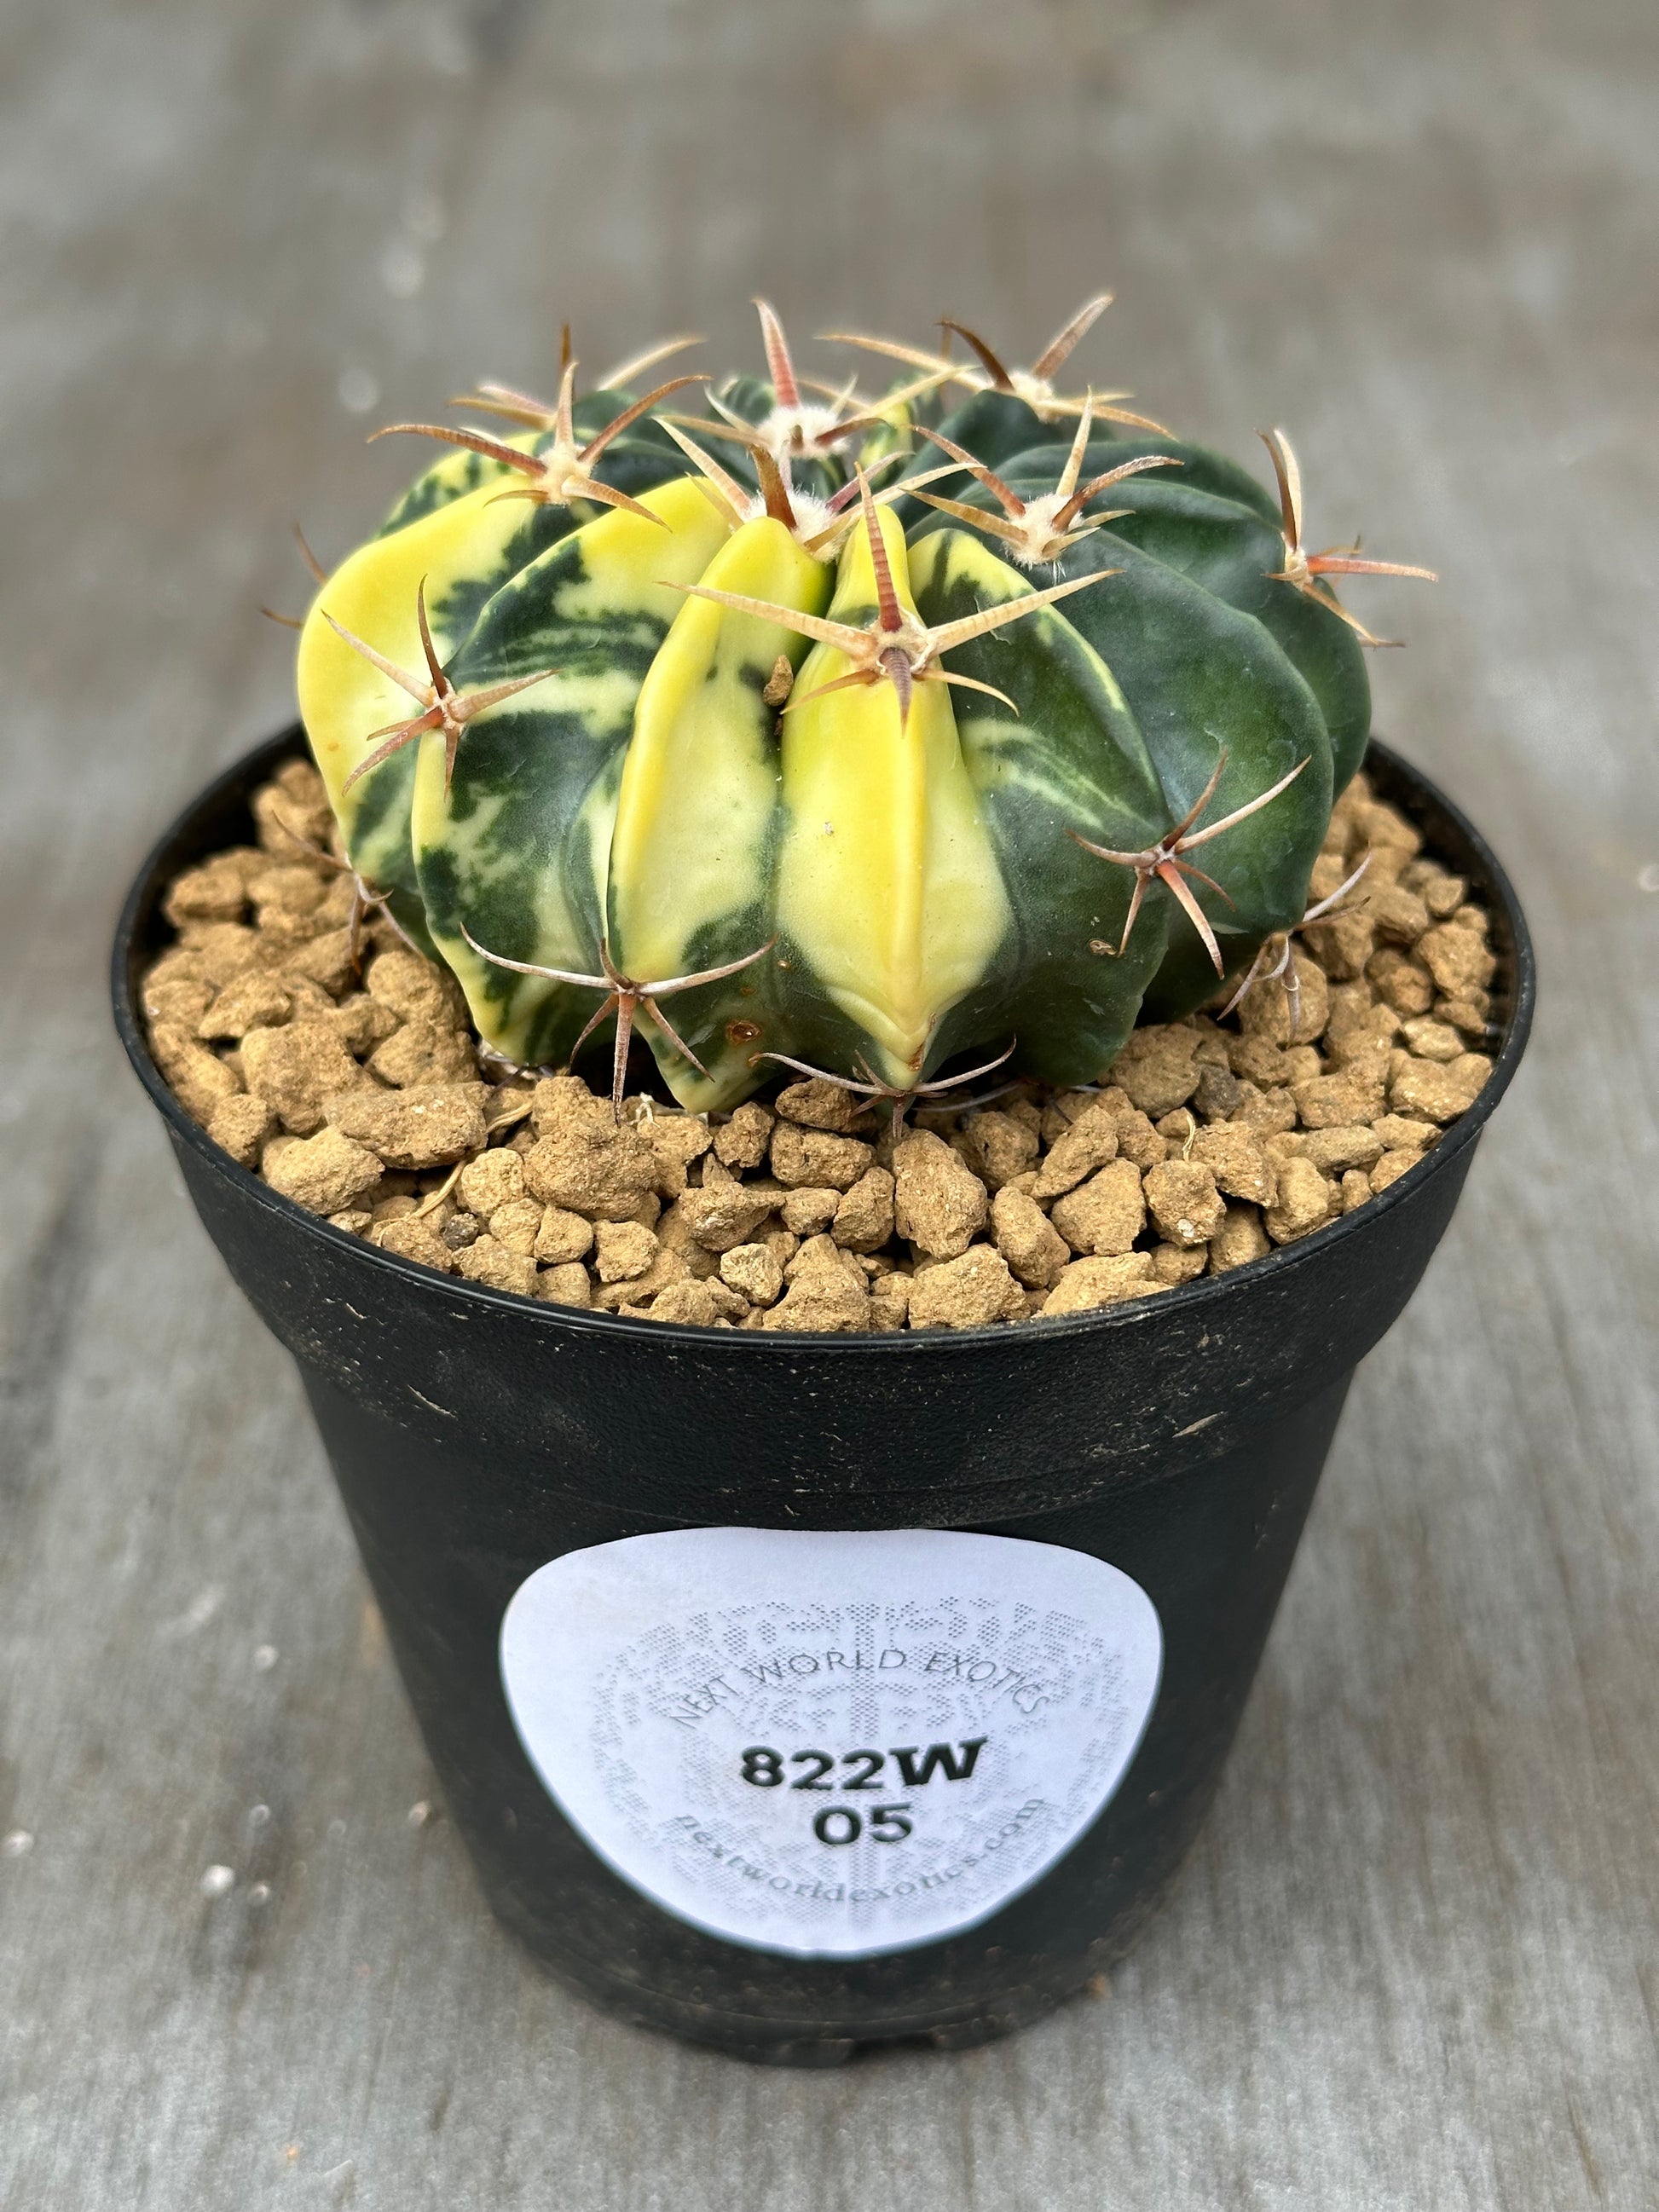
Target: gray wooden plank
(1414,1961)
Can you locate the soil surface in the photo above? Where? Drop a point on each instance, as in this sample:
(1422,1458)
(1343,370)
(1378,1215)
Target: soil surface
(300,1029)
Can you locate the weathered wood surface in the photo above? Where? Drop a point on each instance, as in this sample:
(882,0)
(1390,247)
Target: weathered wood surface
(1414,1962)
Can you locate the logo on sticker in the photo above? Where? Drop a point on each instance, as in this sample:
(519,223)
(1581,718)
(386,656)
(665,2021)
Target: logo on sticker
(830,1745)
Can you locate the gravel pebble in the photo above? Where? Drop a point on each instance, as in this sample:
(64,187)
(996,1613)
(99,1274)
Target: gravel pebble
(1427,1038)
(416,1129)
(1184,1201)
(816,1104)
(1303,1203)
(1174,1264)
(1028,1239)
(325,1174)
(1237,1160)
(999,1147)
(939,1204)
(744,1141)
(1456,956)
(201,1081)
(621,1249)
(720,1215)
(1356,1189)
(754,1270)
(241,1124)
(562,1236)
(824,1299)
(565,1284)
(676,1141)
(1094,1282)
(890,1302)
(488,1261)
(589,1164)
(415,1238)
(422,1053)
(1434,1092)
(809,1213)
(296,1068)
(666,1269)
(705,1305)
(1104,1218)
(255,1000)
(1337,1102)
(214,892)
(800,1156)
(1156,1069)
(493,1179)
(863,1220)
(1334,1151)
(1401,982)
(1240,1239)
(1389,1168)
(966,1292)
(1090,1143)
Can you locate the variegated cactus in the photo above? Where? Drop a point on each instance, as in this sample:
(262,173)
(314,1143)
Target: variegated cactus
(891,740)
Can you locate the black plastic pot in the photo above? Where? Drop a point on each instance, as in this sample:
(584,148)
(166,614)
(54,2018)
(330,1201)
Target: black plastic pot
(478,1437)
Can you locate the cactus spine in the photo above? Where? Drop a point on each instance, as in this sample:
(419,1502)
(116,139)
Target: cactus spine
(885,739)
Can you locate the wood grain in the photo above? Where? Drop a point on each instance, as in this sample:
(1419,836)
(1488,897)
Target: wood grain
(1414,1962)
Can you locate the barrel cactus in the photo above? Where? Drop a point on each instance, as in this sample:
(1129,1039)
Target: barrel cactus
(872,736)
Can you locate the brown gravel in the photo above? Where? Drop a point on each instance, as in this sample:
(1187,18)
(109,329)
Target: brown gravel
(1103,1216)
(939,1205)
(354,1087)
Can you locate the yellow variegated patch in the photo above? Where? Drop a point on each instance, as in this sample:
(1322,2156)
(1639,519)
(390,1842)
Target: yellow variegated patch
(344,699)
(700,788)
(888,881)
(525,859)
(458,473)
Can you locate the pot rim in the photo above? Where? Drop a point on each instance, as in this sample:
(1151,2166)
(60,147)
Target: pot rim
(142,900)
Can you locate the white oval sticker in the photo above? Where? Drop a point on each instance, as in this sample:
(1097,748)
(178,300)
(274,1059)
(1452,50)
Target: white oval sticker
(830,1745)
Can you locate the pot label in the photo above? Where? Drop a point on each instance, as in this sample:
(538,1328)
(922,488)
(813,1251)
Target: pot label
(832,1745)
